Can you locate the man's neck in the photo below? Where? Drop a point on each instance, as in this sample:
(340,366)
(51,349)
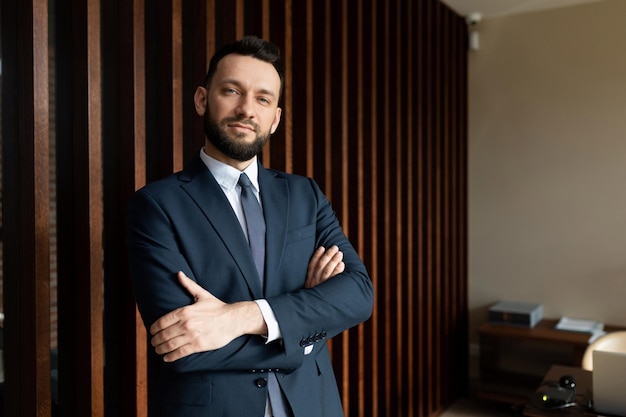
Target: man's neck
(211,151)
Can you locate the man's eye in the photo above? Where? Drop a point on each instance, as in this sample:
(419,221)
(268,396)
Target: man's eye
(264,100)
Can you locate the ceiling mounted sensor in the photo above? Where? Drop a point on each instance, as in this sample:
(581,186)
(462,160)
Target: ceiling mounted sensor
(473,19)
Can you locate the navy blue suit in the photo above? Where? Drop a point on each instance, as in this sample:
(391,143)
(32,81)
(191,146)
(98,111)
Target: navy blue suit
(185,222)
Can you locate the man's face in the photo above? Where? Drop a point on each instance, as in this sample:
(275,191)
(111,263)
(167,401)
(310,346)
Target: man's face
(240,108)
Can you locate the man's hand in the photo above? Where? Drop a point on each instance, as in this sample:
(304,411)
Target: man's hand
(208,324)
(324,264)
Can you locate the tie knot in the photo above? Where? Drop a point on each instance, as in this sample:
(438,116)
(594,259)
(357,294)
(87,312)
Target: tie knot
(244,181)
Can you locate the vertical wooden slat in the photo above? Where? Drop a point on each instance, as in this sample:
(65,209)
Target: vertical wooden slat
(277,28)
(25,133)
(124,150)
(80,211)
(360,200)
(288,94)
(436,209)
(419,156)
(406,21)
(428,222)
(211,34)
(301,111)
(392,335)
(177,84)
(92,207)
(399,219)
(197,45)
(137,154)
(163,108)
(135,150)
(309,93)
(239,19)
(329,97)
(373,263)
(342,144)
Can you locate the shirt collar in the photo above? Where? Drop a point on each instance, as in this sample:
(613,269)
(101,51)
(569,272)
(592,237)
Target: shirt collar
(227,176)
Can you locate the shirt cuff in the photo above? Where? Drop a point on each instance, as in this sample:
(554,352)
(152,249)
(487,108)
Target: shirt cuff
(273,330)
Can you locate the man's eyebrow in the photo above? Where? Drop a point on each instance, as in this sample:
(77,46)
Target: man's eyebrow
(239,84)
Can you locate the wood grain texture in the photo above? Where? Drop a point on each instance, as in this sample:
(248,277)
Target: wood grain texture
(374,108)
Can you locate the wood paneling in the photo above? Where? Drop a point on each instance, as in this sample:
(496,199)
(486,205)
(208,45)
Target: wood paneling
(125,170)
(79,198)
(25,208)
(374,109)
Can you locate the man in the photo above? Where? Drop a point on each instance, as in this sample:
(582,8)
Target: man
(242,334)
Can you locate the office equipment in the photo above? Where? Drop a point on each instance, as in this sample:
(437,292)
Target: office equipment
(582,399)
(609,382)
(556,395)
(516,313)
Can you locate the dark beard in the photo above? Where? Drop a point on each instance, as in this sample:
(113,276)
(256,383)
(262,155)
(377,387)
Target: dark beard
(237,150)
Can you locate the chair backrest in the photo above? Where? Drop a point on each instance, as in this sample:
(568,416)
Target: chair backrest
(611,342)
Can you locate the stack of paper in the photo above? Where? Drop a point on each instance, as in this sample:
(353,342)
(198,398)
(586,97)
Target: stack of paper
(594,328)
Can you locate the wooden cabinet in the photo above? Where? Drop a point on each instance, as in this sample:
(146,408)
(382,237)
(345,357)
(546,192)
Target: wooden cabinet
(514,360)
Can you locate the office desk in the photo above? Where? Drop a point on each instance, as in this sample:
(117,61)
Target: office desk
(583,391)
(513,360)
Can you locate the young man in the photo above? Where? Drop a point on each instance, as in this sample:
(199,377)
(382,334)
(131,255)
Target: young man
(240,303)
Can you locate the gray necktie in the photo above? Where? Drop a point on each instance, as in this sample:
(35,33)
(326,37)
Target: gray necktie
(255,224)
(256,238)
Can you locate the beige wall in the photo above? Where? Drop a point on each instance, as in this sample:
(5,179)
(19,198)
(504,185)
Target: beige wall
(547,161)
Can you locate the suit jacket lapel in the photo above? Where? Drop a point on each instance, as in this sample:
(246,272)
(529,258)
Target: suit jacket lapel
(275,200)
(209,197)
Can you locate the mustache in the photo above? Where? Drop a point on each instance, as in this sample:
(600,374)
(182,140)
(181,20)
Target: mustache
(241,120)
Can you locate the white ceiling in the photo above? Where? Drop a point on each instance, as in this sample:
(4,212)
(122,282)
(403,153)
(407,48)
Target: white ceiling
(495,8)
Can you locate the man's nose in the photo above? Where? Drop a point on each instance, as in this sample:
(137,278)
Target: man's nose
(244,107)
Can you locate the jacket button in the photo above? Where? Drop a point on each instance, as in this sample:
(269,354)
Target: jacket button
(261,382)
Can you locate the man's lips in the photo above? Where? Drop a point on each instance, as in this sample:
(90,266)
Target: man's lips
(242,126)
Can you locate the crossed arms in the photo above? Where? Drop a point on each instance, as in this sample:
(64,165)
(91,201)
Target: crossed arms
(210,323)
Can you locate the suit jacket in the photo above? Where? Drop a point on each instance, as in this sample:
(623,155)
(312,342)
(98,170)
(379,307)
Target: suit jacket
(185,222)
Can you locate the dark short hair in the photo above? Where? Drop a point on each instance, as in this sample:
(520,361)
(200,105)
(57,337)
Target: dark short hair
(248,46)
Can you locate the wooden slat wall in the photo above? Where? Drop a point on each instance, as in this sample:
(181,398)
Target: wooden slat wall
(26,222)
(127,71)
(374,109)
(79,201)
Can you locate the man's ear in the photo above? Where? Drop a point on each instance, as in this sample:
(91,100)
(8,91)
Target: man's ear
(276,120)
(199,99)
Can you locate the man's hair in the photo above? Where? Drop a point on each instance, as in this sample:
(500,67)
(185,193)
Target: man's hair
(248,46)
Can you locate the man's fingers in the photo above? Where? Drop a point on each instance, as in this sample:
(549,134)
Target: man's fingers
(331,260)
(163,344)
(173,349)
(341,266)
(164,322)
(315,259)
(324,264)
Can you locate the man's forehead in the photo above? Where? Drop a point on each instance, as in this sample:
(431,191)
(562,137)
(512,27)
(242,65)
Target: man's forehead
(233,66)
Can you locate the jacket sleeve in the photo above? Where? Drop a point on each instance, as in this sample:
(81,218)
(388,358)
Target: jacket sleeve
(307,317)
